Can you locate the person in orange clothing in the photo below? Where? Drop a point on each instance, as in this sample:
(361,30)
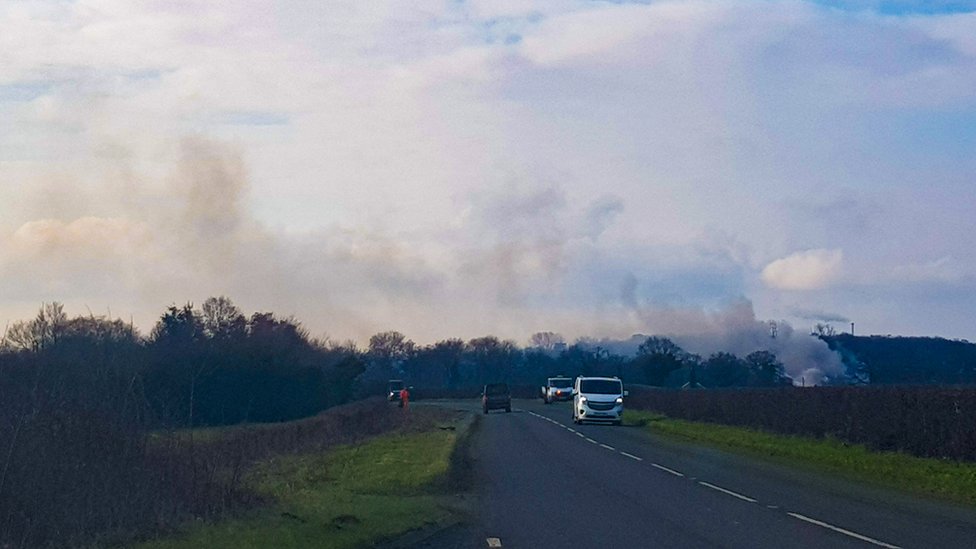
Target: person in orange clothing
(404,398)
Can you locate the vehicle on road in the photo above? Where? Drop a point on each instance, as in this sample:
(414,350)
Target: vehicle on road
(598,399)
(557,388)
(393,388)
(496,396)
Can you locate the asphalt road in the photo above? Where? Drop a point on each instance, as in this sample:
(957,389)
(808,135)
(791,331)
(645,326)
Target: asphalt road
(543,482)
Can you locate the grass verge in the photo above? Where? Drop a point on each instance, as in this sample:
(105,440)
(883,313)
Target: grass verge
(352,496)
(942,479)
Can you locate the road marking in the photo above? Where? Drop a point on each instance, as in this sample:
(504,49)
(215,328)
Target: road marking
(631,456)
(579,434)
(772,507)
(611,448)
(843,531)
(588,439)
(570,429)
(494,542)
(667,470)
(724,491)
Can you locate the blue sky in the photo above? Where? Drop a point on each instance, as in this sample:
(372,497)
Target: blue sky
(461,168)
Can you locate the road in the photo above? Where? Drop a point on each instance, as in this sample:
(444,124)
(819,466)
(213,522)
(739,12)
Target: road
(543,482)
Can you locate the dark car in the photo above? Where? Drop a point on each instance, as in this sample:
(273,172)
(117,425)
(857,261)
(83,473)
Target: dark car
(393,389)
(496,396)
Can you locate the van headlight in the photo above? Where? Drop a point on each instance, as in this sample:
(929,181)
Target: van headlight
(582,400)
(620,400)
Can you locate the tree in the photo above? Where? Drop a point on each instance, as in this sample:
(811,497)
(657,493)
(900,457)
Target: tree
(765,370)
(178,326)
(494,359)
(390,349)
(45,329)
(725,370)
(657,357)
(547,341)
(222,319)
(446,360)
(821,329)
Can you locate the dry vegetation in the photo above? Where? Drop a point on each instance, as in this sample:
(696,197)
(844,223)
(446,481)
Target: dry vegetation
(91,481)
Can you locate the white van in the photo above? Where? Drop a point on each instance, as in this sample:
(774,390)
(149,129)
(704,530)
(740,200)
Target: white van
(598,399)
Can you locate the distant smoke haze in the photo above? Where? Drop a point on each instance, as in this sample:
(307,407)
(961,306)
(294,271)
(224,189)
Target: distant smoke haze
(819,316)
(735,329)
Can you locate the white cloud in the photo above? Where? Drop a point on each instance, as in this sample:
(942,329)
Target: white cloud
(806,270)
(683,145)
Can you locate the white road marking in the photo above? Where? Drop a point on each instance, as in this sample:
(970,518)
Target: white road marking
(843,531)
(667,470)
(494,542)
(724,491)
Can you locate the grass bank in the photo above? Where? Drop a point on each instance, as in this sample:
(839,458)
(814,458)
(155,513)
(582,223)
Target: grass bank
(351,496)
(941,479)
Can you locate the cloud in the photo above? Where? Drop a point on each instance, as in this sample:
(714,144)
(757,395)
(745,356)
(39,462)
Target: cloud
(502,167)
(806,270)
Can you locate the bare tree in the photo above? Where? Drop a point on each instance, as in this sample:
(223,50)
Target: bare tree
(45,329)
(547,341)
(222,319)
(822,329)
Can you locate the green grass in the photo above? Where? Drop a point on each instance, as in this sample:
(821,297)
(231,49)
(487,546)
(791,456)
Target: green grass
(947,480)
(350,497)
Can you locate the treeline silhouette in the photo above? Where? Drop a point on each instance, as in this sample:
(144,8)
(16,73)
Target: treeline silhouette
(83,402)
(887,359)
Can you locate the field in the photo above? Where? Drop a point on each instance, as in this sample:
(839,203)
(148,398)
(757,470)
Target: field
(350,497)
(937,478)
(924,421)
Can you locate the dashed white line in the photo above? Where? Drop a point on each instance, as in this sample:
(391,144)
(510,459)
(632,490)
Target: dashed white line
(494,542)
(724,491)
(667,470)
(843,531)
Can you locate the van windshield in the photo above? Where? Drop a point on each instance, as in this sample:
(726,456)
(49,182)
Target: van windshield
(560,382)
(601,386)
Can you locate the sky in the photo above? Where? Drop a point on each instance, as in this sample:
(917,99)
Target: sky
(466,167)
